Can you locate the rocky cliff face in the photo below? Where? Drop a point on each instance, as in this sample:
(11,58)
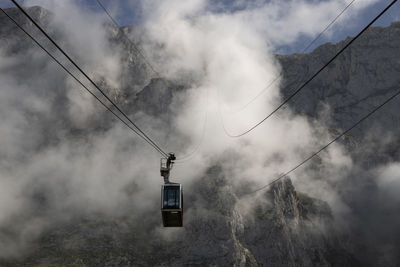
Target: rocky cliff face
(365,75)
(285,227)
(357,81)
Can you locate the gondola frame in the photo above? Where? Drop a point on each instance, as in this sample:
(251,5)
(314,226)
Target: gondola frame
(172,217)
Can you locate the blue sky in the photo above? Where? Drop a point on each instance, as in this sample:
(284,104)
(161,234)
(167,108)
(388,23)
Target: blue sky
(128,13)
(364,17)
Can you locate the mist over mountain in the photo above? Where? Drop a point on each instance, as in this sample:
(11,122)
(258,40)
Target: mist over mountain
(77,188)
(359,80)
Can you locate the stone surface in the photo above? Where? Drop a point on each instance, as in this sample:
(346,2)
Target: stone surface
(361,78)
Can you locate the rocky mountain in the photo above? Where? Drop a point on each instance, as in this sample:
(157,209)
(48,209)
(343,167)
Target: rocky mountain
(366,74)
(285,227)
(357,81)
(289,229)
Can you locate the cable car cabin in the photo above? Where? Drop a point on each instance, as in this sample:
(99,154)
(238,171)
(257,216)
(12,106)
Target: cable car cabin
(172,205)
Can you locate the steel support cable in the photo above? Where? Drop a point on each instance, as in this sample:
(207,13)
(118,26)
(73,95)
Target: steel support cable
(76,79)
(143,134)
(303,51)
(328,144)
(193,152)
(313,76)
(127,38)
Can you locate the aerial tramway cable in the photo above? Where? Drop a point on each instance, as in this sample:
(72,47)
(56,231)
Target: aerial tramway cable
(137,130)
(312,77)
(74,77)
(303,51)
(337,137)
(189,155)
(328,144)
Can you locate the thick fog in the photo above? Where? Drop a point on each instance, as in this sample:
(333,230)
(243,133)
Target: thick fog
(63,155)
